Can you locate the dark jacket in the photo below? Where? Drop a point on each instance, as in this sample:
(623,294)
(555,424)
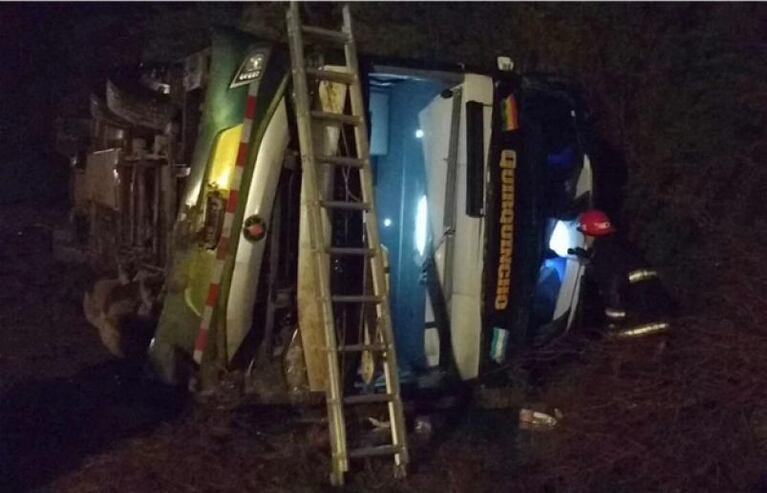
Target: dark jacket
(633,295)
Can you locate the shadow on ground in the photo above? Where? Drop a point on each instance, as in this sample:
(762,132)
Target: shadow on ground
(61,397)
(49,426)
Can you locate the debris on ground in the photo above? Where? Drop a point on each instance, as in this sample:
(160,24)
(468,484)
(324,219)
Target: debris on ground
(624,417)
(538,421)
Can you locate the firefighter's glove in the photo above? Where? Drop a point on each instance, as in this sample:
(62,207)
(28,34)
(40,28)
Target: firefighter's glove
(581,253)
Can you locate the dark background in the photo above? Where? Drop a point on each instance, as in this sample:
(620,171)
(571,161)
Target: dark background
(53,55)
(678,90)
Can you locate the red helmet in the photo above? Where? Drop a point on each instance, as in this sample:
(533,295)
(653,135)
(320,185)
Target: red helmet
(595,223)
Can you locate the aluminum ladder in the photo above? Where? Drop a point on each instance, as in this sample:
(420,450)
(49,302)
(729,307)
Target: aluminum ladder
(383,344)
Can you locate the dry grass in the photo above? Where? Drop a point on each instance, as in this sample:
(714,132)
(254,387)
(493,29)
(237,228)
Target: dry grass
(689,419)
(678,89)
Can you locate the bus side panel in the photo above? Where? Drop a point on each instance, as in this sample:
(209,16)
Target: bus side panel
(468,261)
(249,256)
(512,229)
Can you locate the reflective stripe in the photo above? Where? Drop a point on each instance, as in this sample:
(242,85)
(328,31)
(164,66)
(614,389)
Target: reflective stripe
(643,330)
(499,344)
(615,313)
(641,275)
(222,248)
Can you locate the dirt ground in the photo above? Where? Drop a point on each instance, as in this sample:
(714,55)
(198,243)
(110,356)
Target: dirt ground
(72,419)
(685,415)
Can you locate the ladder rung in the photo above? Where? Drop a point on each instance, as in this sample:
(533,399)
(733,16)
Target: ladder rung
(342,204)
(332,75)
(325,34)
(337,117)
(351,162)
(356,298)
(374,451)
(369,252)
(358,348)
(383,343)
(368,398)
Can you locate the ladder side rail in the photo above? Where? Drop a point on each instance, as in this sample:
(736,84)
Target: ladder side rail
(371,225)
(316,235)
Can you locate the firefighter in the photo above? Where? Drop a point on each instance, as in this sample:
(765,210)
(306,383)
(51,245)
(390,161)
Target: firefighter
(635,302)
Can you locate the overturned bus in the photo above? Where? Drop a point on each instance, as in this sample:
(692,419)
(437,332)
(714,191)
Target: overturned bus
(478,176)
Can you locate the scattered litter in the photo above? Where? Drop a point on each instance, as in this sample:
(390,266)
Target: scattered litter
(423,425)
(538,421)
(379,424)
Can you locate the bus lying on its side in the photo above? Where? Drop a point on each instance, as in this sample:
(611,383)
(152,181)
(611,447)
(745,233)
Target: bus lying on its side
(478,179)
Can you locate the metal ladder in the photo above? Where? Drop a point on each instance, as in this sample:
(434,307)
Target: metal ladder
(383,343)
